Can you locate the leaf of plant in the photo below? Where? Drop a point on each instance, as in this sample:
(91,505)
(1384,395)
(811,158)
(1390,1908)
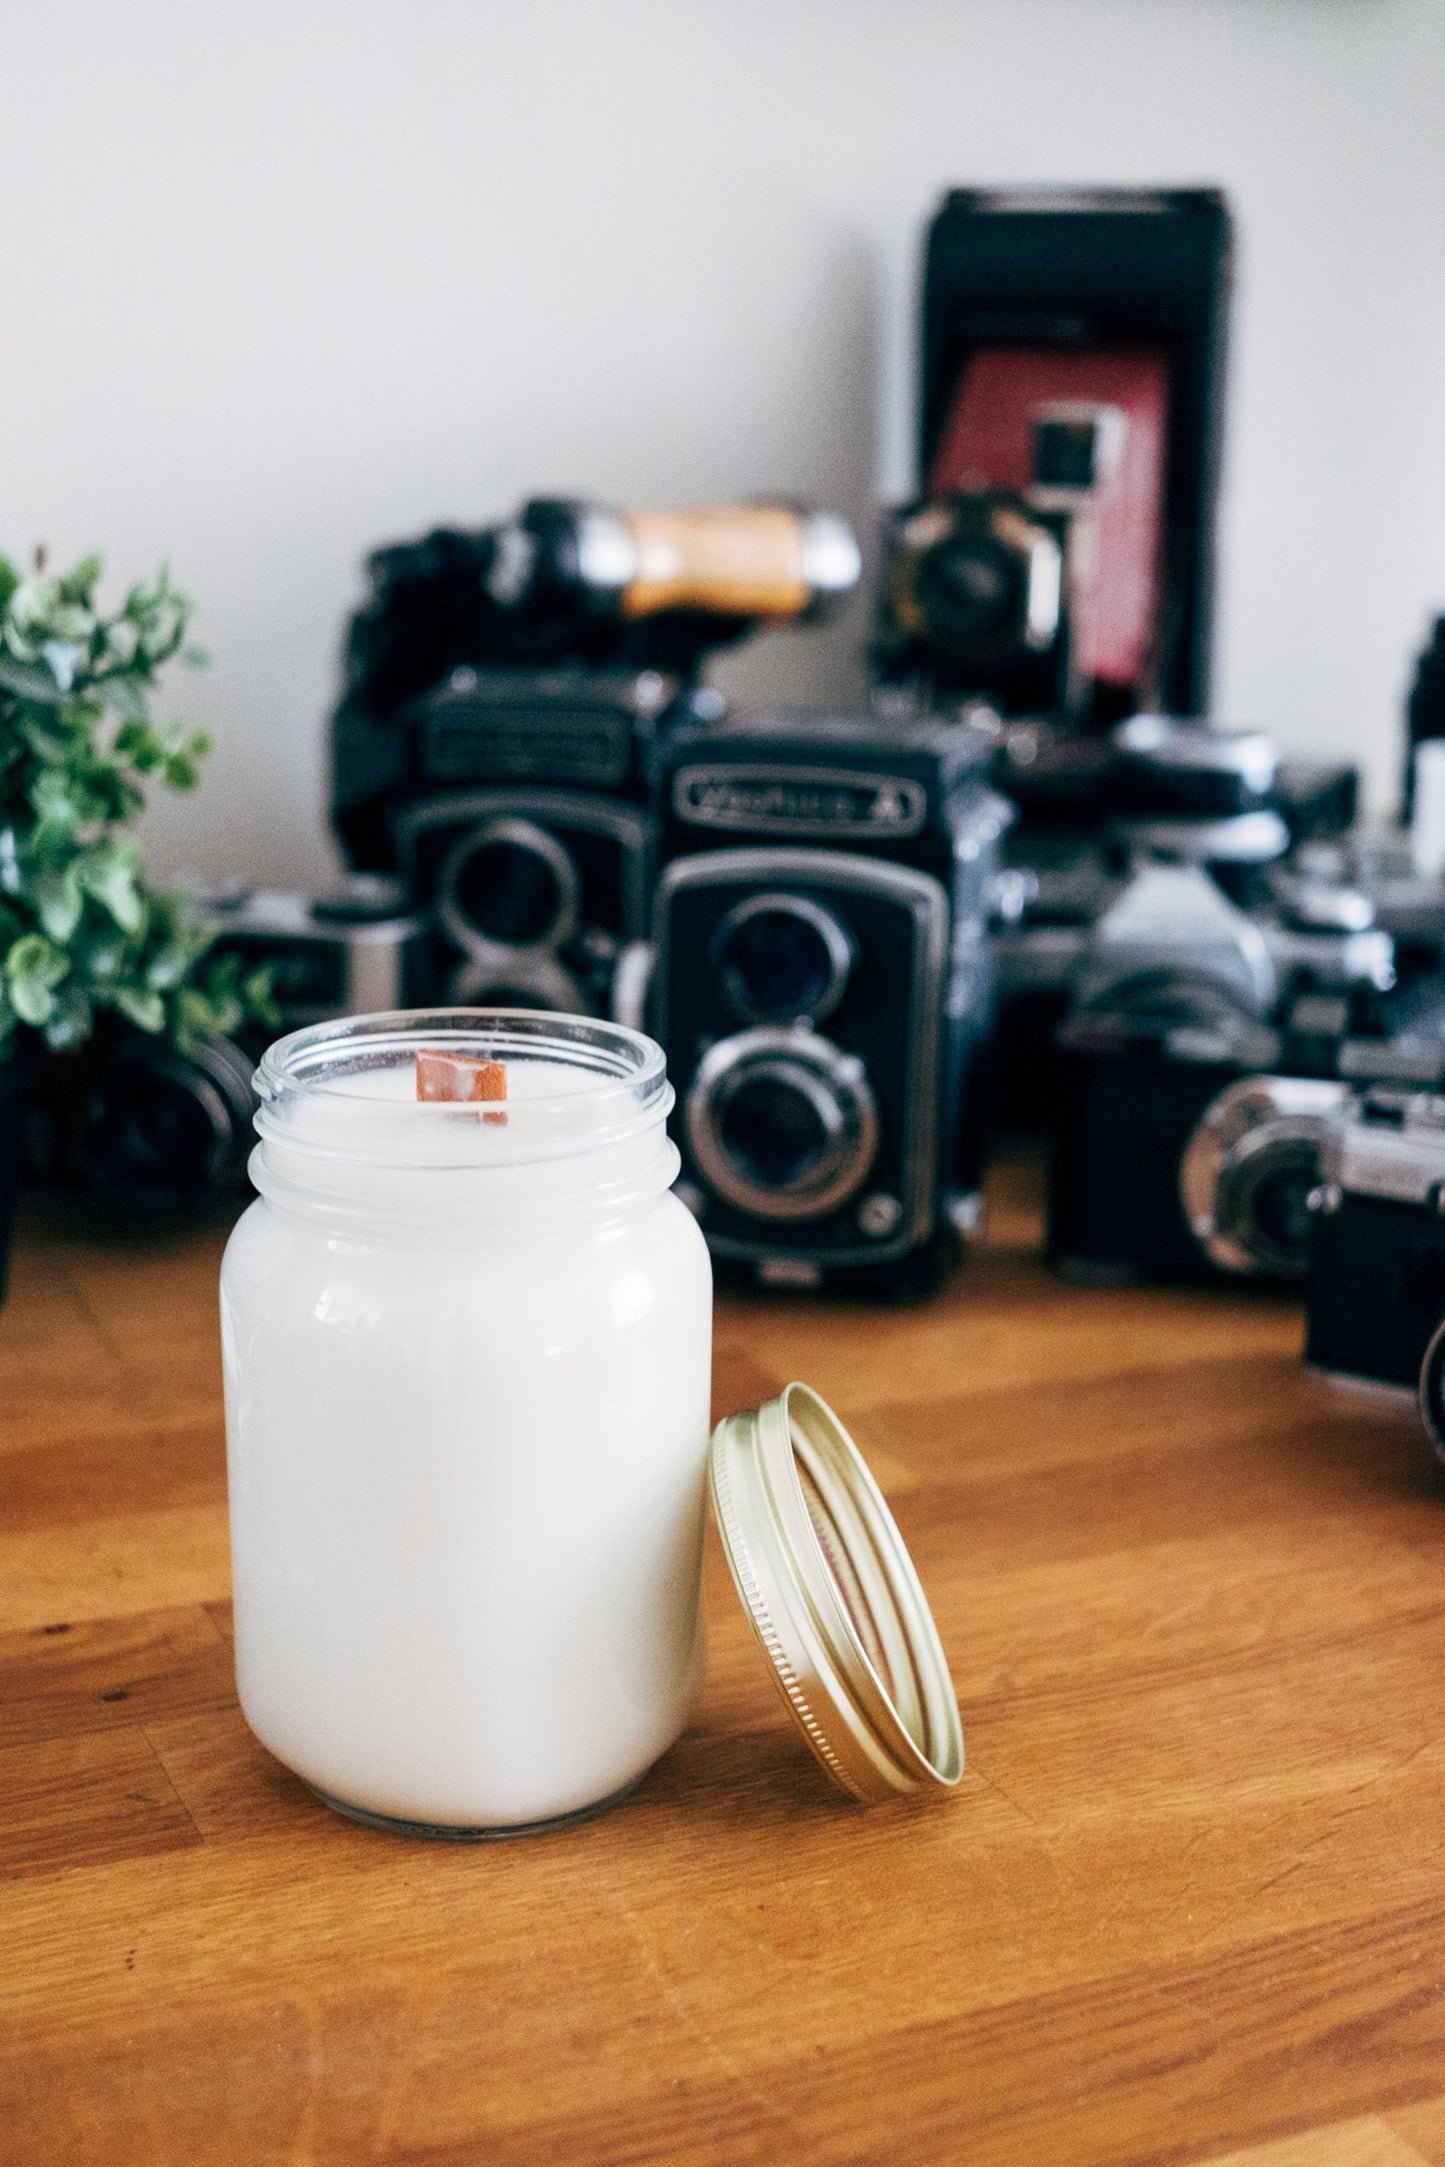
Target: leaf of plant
(109,874)
(126,696)
(58,898)
(32,681)
(141,1007)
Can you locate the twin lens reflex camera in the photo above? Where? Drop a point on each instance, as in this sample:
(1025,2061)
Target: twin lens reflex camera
(822,989)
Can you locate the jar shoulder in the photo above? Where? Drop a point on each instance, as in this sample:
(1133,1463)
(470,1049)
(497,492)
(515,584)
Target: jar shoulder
(283,1259)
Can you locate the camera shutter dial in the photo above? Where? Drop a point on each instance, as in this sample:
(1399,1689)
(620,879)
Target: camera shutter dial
(780,958)
(506,887)
(782,1124)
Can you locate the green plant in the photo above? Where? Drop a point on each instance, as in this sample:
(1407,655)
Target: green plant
(80,929)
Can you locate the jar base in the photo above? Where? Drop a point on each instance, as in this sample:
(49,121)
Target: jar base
(445,1832)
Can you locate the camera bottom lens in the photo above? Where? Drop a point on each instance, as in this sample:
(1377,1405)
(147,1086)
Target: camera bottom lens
(782,1124)
(168,1132)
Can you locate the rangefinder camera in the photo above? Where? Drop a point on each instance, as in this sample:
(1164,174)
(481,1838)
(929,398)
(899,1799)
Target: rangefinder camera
(1178,995)
(1377,1288)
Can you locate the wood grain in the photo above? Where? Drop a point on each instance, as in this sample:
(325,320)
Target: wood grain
(1187,1906)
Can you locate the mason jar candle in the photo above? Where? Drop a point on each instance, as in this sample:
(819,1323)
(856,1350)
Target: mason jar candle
(467,1354)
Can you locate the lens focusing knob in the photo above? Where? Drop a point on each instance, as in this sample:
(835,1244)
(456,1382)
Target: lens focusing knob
(782,1124)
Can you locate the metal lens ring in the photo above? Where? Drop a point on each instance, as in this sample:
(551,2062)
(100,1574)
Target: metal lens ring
(502,980)
(781,957)
(1249,1168)
(1432,1390)
(509,886)
(781,1124)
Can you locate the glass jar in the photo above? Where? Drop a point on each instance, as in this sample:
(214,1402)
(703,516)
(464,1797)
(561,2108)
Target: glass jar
(467,1358)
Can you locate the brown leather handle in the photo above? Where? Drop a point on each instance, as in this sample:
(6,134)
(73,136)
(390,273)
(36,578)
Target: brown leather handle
(746,561)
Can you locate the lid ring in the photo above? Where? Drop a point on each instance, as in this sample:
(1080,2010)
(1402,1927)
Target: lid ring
(834,1598)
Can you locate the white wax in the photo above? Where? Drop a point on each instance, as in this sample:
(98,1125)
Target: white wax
(467,1418)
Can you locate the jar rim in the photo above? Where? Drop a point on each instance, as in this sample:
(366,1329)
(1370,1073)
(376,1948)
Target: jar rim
(307,1085)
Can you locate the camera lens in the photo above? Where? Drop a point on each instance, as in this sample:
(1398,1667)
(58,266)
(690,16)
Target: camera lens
(969,589)
(781,957)
(1250,1167)
(507,892)
(164,1131)
(508,885)
(773,1131)
(1280,1204)
(781,1124)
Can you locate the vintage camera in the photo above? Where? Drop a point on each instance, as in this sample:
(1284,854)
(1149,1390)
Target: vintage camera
(155,1131)
(1167,791)
(1178,998)
(536,882)
(504,693)
(822,990)
(1377,1283)
(1058,559)
(994,591)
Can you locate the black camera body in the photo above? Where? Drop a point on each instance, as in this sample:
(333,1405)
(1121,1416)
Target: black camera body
(505,690)
(1180,1000)
(154,1131)
(530,837)
(1377,1281)
(822,989)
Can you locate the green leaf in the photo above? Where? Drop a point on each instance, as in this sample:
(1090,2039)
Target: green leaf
(32,969)
(141,1007)
(58,899)
(70,1021)
(126,696)
(79,585)
(109,874)
(31,681)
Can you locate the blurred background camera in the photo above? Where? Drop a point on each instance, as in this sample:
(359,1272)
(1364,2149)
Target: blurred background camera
(504,691)
(822,989)
(1176,994)
(152,1129)
(1377,1287)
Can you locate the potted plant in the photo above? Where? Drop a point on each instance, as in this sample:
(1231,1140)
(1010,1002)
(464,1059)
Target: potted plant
(82,934)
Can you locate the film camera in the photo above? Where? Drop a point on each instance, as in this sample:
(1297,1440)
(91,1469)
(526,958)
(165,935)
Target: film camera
(1163,790)
(822,989)
(1377,1284)
(1204,1047)
(1057,561)
(154,1130)
(504,692)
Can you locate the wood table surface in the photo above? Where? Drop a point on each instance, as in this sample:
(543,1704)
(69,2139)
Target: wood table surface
(1187,1904)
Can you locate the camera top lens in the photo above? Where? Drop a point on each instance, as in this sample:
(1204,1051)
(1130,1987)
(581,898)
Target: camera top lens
(508,884)
(781,958)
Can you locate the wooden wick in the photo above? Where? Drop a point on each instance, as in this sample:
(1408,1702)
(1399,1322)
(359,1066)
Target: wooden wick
(460,1078)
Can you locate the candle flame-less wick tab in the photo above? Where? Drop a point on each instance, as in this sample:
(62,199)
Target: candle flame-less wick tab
(460,1079)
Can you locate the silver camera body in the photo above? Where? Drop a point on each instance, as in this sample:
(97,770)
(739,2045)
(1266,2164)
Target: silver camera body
(1206,1051)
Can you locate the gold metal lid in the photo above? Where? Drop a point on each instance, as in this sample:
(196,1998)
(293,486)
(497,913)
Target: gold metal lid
(834,1598)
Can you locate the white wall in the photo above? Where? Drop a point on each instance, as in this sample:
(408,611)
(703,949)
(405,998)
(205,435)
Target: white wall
(280,281)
